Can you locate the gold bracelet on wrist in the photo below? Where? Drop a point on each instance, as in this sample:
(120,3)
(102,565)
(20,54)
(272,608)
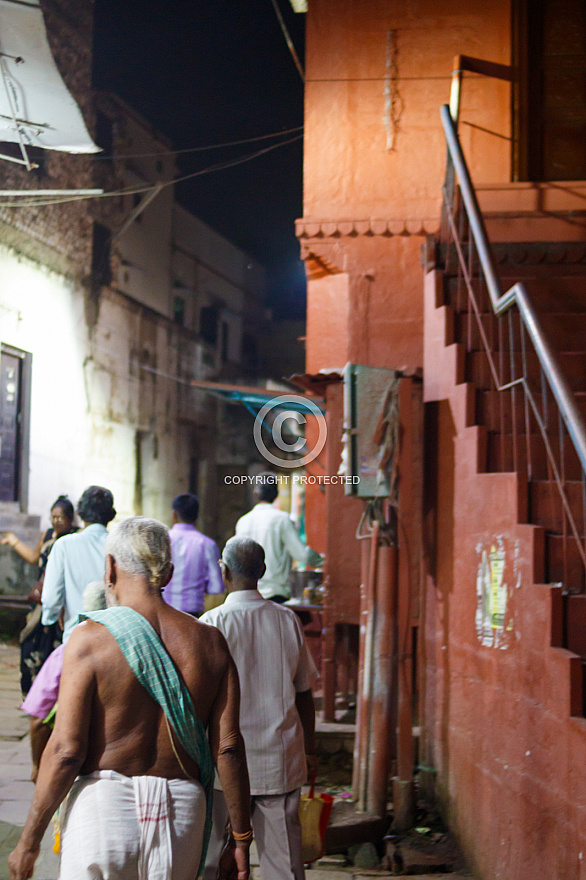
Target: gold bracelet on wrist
(243,838)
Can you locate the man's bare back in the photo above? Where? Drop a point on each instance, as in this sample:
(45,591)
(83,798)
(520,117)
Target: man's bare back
(128,729)
(106,720)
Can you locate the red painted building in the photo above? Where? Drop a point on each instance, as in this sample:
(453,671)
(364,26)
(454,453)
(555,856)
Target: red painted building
(488,625)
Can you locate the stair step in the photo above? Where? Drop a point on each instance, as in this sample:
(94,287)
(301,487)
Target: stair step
(572,365)
(550,287)
(499,455)
(575,607)
(551,294)
(547,292)
(489,405)
(565,332)
(563,564)
(546,508)
(530,258)
(467,331)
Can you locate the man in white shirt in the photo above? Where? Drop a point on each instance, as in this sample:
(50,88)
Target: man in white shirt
(277,715)
(77,559)
(273,529)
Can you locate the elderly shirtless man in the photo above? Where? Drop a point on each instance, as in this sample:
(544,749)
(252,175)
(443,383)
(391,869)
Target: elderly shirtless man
(141,683)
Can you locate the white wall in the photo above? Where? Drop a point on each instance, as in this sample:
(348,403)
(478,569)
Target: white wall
(99,394)
(89,397)
(144,272)
(234,272)
(41,313)
(213,272)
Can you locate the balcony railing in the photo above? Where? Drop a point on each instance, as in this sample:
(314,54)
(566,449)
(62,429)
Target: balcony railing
(539,427)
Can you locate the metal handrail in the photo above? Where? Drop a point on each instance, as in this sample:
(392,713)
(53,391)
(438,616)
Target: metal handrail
(515,295)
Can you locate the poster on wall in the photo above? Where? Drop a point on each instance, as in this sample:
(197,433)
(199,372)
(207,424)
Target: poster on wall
(498,577)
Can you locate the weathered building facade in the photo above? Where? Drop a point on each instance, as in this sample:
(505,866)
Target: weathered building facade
(109,308)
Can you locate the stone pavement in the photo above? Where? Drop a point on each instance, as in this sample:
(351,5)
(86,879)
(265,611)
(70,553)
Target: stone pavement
(16,790)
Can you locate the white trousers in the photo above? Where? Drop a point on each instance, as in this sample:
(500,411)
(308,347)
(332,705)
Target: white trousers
(116,827)
(277,832)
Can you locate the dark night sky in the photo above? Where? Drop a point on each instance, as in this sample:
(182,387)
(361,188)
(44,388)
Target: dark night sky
(207,72)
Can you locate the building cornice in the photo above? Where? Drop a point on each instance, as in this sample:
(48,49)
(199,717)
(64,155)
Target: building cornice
(309,228)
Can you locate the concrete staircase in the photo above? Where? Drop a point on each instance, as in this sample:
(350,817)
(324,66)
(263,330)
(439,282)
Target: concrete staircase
(511,732)
(558,293)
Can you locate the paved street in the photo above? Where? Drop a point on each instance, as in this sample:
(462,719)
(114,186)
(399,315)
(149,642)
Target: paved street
(16,790)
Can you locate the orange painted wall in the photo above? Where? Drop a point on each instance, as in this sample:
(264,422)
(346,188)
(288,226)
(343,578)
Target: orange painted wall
(349,171)
(329,504)
(367,203)
(371,313)
(343,514)
(367,207)
(315,497)
(327,331)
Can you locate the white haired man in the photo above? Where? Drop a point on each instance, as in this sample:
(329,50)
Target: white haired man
(141,682)
(277,714)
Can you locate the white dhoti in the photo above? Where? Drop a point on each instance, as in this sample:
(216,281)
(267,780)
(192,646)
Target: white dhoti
(117,827)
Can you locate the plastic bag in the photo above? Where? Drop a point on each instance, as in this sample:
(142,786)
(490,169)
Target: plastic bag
(314,815)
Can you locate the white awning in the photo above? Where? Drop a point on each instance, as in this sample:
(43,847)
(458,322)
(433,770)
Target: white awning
(36,108)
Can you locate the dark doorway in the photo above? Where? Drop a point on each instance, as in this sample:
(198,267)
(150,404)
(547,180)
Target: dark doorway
(550,111)
(10,425)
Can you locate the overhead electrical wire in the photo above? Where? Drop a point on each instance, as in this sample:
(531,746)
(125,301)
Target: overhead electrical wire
(162,154)
(131,190)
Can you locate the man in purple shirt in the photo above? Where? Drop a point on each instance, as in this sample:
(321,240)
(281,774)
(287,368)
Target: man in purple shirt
(195,560)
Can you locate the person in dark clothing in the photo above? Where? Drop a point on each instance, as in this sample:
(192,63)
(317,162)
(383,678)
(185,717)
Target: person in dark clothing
(37,641)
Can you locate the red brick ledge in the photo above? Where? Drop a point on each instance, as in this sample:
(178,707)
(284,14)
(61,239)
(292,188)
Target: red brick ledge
(309,228)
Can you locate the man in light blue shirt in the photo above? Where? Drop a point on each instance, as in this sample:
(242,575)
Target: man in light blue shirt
(77,559)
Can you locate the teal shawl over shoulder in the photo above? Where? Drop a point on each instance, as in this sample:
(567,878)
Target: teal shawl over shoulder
(153,667)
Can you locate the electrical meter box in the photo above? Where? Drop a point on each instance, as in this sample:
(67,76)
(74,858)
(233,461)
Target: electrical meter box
(370,429)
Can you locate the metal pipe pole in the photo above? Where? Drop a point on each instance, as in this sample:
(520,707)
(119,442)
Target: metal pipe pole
(364,562)
(364,720)
(382,696)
